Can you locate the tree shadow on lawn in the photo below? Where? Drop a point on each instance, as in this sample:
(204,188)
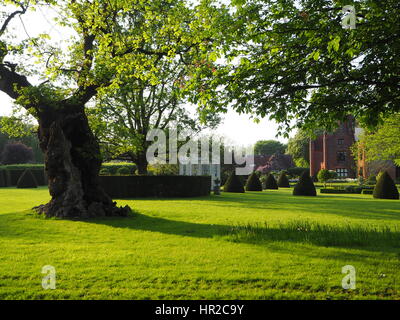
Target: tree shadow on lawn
(345,206)
(258,234)
(20,226)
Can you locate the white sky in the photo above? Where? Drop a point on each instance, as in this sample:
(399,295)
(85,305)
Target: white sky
(239,129)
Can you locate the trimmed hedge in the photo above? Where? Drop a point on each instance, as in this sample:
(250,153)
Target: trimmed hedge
(333,191)
(27,180)
(348,190)
(385,188)
(253,183)
(13,176)
(31,166)
(271,183)
(12,173)
(233,184)
(283,181)
(156,186)
(305,186)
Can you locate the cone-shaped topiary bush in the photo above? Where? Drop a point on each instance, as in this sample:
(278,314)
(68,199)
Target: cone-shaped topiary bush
(305,186)
(270,183)
(253,183)
(283,181)
(27,180)
(233,184)
(385,188)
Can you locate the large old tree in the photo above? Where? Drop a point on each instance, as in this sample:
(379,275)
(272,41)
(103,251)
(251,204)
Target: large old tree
(55,80)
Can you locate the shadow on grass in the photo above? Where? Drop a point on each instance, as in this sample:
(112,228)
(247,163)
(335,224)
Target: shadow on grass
(28,228)
(341,205)
(369,238)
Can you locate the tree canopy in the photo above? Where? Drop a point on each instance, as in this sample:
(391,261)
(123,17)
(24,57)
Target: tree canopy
(294,62)
(383,142)
(269,147)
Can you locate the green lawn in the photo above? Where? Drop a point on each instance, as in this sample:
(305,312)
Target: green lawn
(267,245)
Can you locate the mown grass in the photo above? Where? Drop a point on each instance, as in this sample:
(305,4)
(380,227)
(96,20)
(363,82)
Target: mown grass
(318,234)
(267,245)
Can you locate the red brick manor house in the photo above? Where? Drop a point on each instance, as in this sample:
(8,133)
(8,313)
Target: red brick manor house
(332,151)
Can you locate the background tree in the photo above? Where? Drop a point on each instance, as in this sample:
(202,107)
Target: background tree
(269,147)
(299,146)
(382,143)
(16,153)
(325,175)
(16,130)
(55,81)
(122,119)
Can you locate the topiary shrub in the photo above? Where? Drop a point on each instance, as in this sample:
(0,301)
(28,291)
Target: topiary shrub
(27,180)
(305,186)
(123,171)
(253,183)
(233,184)
(385,188)
(283,181)
(271,183)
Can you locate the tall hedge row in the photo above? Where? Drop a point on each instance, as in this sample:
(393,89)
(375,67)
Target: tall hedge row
(9,175)
(156,186)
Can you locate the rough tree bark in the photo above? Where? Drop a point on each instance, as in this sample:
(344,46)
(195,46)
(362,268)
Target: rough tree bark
(73,161)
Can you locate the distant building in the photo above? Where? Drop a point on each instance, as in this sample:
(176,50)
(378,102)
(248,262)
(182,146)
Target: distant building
(332,151)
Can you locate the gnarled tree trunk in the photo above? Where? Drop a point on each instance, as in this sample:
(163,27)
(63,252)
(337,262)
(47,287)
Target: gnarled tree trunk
(73,161)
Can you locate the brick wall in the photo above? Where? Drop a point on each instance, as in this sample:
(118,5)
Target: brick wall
(332,151)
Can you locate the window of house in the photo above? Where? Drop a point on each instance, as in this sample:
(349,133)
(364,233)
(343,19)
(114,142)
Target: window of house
(341,156)
(340,142)
(342,173)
